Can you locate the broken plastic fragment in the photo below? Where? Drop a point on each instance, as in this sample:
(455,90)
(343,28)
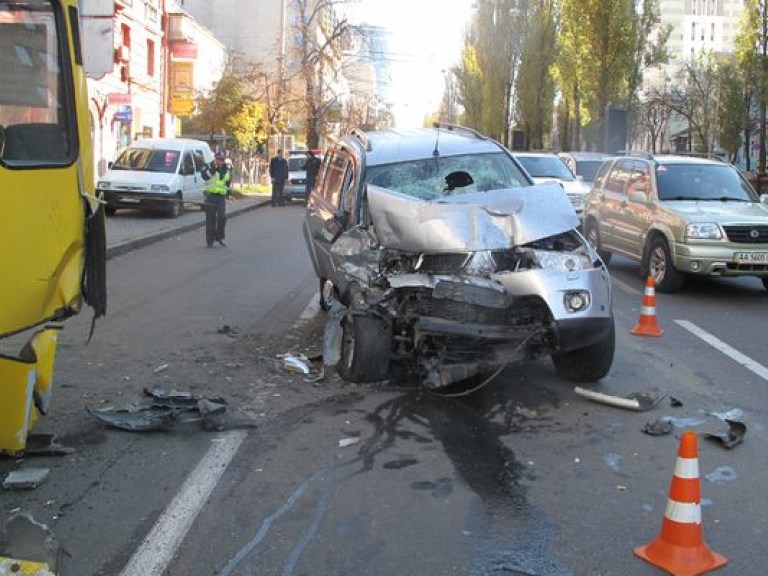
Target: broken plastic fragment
(296,364)
(142,420)
(674,402)
(637,401)
(348,441)
(731,437)
(217,415)
(660,427)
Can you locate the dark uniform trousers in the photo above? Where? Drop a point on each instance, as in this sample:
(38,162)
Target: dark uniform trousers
(215,217)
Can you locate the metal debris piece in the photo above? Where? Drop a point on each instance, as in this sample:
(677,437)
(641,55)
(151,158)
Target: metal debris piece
(25,479)
(175,399)
(660,427)
(637,401)
(22,537)
(145,419)
(731,437)
(314,376)
(344,442)
(296,363)
(218,416)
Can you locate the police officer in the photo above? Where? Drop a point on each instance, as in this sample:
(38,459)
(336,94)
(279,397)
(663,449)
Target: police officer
(217,178)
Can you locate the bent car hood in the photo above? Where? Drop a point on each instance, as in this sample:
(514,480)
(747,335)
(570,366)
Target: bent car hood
(723,212)
(495,220)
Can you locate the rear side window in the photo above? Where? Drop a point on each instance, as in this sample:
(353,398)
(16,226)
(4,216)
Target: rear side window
(335,175)
(199,160)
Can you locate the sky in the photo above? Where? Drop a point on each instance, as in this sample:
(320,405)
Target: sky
(426,40)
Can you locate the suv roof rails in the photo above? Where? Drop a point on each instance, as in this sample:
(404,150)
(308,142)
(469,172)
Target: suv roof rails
(459,128)
(362,137)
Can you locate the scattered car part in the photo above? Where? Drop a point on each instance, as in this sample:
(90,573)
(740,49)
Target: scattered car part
(639,402)
(731,437)
(660,427)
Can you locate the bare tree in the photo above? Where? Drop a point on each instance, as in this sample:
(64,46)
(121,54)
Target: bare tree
(695,100)
(653,114)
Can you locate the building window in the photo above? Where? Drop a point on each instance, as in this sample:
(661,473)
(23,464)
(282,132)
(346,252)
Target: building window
(150,58)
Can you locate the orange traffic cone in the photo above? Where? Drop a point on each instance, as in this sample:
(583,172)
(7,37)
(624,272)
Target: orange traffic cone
(680,548)
(646,325)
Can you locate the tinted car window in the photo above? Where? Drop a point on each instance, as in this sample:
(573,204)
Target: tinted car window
(546,167)
(588,169)
(701,182)
(149,160)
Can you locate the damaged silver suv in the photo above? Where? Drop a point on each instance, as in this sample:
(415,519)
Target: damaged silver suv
(434,248)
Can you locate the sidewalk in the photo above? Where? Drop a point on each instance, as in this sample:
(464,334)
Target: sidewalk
(128,233)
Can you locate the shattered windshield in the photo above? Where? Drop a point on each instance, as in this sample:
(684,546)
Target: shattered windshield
(440,176)
(144,159)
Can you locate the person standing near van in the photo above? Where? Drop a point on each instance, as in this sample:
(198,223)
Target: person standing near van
(313,165)
(217,178)
(278,173)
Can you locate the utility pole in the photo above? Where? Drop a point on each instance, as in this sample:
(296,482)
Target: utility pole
(281,72)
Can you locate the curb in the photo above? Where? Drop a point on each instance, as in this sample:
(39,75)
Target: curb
(134,243)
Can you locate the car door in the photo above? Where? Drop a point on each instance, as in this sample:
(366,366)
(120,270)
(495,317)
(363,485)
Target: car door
(612,198)
(636,212)
(326,218)
(189,179)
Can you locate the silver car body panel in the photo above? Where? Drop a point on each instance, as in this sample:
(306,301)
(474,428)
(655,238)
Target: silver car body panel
(494,220)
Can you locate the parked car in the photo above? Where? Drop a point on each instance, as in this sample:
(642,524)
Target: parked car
(585,164)
(296,187)
(434,249)
(679,216)
(548,167)
(160,174)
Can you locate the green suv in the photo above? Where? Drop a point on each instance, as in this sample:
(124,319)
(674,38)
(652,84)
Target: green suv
(678,216)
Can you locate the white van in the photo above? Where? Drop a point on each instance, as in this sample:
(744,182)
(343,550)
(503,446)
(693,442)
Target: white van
(160,174)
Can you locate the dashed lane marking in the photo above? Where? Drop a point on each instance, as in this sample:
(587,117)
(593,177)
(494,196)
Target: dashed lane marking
(729,351)
(159,546)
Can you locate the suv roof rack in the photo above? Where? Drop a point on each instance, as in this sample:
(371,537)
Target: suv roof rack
(362,137)
(459,128)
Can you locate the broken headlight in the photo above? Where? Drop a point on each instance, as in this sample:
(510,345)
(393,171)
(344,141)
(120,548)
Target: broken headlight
(564,261)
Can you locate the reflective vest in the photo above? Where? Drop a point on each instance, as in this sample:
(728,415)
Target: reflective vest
(218,184)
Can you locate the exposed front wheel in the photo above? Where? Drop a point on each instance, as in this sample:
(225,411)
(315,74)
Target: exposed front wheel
(593,237)
(590,363)
(365,348)
(666,278)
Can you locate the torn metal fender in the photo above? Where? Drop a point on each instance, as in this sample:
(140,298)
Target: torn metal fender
(494,220)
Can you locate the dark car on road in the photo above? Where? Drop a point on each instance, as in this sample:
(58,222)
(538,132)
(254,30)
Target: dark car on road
(434,248)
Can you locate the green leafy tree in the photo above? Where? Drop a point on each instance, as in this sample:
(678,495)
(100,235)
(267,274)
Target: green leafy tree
(469,82)
(602,41)
(535,87)
(752,58)
(731,115)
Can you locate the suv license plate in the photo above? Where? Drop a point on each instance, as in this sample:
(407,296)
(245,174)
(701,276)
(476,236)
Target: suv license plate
(751,257)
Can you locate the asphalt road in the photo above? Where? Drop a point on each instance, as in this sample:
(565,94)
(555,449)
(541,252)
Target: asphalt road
(524,477)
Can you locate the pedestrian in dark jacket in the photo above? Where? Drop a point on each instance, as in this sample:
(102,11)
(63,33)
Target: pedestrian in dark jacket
(313,165)
(278,173)
(218,177)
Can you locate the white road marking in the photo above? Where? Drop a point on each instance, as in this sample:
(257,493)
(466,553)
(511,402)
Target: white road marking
(721,346)
(160,545)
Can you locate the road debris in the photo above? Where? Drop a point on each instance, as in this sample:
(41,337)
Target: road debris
(344,442)
(296,363)
(674,402)
(161,368)
(660,427)
(25,479)
(731,437)
(169,408)
(637,401)
(228,330)
(22,537)
(42,444)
